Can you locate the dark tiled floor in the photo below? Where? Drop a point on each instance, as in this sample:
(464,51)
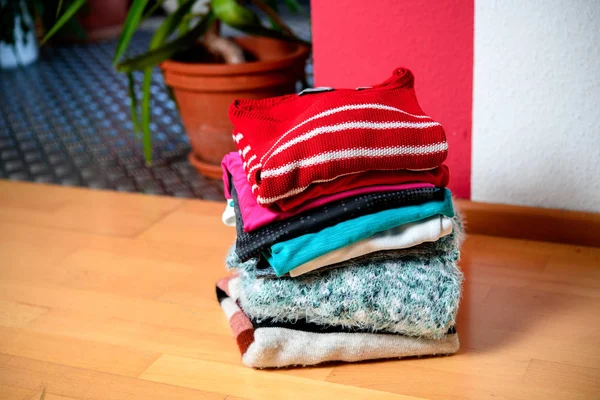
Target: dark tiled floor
(65,120)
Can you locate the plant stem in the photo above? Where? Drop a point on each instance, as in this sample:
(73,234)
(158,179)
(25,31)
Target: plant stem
(227,49)
(273,15)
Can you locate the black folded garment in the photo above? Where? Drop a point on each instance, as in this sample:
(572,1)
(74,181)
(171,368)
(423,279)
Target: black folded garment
(251,244)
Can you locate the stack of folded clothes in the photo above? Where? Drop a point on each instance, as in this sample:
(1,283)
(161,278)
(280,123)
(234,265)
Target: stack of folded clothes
(347,239)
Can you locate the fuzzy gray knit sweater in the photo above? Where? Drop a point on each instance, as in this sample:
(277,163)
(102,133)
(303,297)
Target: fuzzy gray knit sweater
(416,295)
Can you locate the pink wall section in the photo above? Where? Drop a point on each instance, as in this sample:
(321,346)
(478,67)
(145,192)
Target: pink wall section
(359,43)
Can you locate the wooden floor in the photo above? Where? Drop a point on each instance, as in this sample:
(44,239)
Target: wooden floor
(111,296)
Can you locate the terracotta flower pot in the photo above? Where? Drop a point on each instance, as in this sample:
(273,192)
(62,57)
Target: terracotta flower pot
(205,91)
(99,19)
(103,19)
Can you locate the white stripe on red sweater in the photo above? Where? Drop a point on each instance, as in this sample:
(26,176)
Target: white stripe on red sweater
(249,162)
(245,151)
(338,128)
(351,125)
(354,153)
(373,106)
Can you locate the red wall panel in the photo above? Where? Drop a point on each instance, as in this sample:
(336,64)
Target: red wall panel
(359,43)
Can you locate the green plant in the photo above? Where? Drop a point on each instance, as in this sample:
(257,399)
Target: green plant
(181,31)
(54,21)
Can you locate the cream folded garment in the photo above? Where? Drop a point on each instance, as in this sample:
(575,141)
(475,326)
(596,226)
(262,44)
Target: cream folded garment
(401,237)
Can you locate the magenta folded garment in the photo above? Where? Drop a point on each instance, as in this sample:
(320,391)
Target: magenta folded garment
(256,216)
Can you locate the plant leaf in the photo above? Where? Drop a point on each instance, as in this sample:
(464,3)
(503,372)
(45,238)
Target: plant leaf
(277,22)
(68,14)
(152,9)
(59,7)
(134,104)
(182,26)
(131,23)
(146,134)
(170,24)
(273,5)
(232,14)
(272,33)
(165,51)
(292,5)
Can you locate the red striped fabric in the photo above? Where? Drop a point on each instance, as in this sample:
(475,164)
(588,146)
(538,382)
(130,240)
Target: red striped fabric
(291,142)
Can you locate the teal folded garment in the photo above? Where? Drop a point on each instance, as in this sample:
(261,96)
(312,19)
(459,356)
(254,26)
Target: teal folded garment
(285,256)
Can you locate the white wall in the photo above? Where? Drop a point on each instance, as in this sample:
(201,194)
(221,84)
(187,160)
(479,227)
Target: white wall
(536,105)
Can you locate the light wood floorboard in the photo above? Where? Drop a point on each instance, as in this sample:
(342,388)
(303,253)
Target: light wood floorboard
(111,296)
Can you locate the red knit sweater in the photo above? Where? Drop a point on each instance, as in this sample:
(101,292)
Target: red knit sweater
(291,142)
(438,177)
